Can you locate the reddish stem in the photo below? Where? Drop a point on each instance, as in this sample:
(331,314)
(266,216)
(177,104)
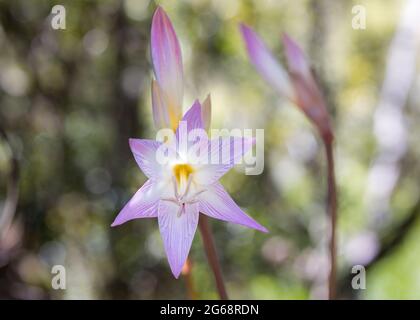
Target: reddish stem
(189,281)
(212,256)
(332,212)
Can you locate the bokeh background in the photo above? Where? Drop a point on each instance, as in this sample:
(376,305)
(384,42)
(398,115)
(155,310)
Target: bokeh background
(70,99)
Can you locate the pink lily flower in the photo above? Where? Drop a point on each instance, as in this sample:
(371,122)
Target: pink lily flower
(181,188)
(168,88)
(298,85)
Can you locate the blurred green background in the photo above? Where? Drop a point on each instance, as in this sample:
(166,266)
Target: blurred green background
(70,99)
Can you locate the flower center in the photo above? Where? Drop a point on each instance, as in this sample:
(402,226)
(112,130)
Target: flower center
(182,180)
(182,172)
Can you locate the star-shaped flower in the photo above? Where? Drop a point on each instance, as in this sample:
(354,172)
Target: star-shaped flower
(182,182)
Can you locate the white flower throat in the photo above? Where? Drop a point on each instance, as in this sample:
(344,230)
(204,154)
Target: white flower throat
(182,180)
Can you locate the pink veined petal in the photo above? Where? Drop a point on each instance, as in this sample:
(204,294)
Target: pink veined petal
(192,118)
(160,109)
(266,64)
(301,73)
(190,127)
(217,203)
(296,59)
(177,231)
(167,63)
(308,95)
(223,154)
(144,204)
(144,152)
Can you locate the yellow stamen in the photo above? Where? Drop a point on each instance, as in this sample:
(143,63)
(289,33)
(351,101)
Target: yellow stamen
(182,172)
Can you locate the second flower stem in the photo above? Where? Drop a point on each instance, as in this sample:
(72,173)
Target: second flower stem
(189,282)
(332,212)
(212,256)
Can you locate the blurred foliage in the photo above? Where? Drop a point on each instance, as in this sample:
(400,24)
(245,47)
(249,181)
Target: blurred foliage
(70,99)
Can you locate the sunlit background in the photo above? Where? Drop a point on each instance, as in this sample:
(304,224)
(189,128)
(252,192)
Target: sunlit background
(70,99)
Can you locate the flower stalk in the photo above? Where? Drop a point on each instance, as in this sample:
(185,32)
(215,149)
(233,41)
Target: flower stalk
(189,281)
(212,257)
(332,213)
